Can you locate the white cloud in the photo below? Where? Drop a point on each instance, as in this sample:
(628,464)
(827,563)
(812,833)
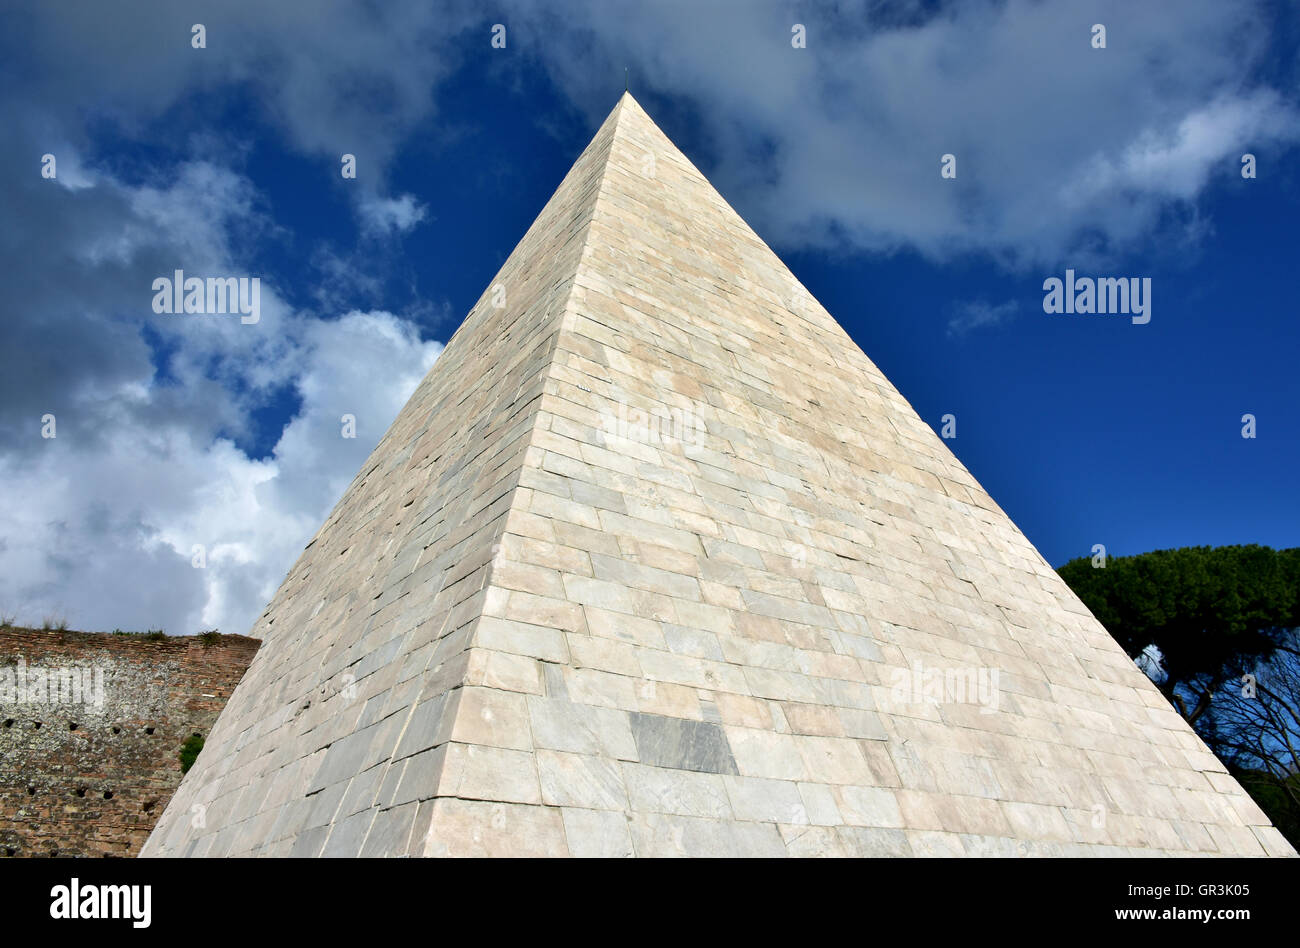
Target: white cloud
(980,314)
(99,523)
(102,533)
(1177,162)
(384,215)
(1064,152)
(836,143)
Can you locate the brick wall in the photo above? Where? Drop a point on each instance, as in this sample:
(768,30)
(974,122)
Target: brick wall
(88,764)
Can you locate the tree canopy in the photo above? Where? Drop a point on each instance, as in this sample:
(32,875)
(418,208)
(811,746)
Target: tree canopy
(1223,625)
(1212,612)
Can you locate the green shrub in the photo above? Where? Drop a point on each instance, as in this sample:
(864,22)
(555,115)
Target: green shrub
(190,751)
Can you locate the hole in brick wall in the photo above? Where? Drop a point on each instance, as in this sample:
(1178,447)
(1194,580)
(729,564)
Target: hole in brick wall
(81,791)
(72,725)
(148,730)
(31,791)
(53,853)
(108,794)
(149,805)
(36,725)
(9,722)
(117,730)
(10,851)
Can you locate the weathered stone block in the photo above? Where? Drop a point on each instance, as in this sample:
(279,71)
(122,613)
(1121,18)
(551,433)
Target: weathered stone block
(681,744)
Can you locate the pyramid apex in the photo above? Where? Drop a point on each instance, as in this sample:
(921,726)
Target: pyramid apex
(626,103)
(625,100)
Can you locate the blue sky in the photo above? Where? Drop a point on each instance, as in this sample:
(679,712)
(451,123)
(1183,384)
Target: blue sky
(1122,162)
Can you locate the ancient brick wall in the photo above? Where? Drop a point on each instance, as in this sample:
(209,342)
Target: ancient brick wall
(91,728)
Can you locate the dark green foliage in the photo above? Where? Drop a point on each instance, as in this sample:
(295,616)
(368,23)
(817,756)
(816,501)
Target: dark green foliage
(190,751)
(1211,611)
(1279,797)
(1226,622)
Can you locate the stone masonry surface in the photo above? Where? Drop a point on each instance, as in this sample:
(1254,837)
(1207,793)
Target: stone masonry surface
(88,777)
(656,562)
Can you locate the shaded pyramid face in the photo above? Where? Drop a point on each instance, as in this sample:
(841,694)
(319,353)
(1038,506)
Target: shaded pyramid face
(656,562)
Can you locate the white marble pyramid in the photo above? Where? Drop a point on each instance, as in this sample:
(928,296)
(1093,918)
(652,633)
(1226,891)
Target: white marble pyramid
(656,562)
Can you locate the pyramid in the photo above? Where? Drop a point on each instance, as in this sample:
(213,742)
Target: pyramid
(656,562)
